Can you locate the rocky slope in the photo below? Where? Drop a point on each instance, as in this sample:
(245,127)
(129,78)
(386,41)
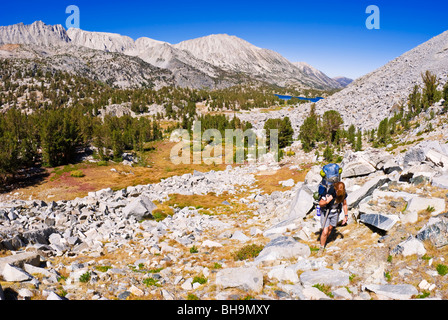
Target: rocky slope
(115,69)
(109,42)
(371,98)
(233,54)
(315,73)
(375,96)
(101,247)
(343,81)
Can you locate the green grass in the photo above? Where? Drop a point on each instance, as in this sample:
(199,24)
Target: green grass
(194,249)
(426,258)
(102,163)
(423,295)
(246,252)
(352,277)
(155,270)
(59,171)
(141,269)
(314,249)
(77,174)
(442,269)
(159,215)
(200,280)
(430,209)
(151,282)
(85,277)
(325,289)
(103,268)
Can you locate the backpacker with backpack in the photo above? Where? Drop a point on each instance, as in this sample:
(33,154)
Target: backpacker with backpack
(330,173)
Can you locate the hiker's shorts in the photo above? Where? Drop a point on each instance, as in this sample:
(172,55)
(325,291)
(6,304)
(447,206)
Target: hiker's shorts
(332,219)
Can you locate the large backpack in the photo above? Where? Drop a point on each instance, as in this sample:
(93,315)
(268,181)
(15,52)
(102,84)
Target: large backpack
(331,173)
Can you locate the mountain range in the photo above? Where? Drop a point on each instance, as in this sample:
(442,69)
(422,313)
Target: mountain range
(214,61)
(219,61)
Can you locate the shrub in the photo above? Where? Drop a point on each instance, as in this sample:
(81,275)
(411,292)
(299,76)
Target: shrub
(328,154)
(159,215)
(442,269)
(151,282)
(77,174)
(217,265)
(246,252)
(200,280)
(423,295)
(193,249)
(85,277)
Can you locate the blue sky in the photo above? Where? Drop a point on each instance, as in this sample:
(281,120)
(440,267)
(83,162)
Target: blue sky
(330,35)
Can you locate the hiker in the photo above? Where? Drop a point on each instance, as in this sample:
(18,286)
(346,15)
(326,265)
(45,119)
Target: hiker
(332,204)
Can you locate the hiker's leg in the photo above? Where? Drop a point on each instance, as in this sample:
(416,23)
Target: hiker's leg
(324,236)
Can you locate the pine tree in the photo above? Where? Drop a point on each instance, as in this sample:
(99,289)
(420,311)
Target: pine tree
(60,138)
(309,130)
(383,132)
(328,153)
(285,131)
(414,102)
(358,141)
(351,135)
(445,96)
(430,92)
(331,121)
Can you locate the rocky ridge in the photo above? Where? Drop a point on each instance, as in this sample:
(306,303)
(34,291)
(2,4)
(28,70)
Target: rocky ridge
(313,72)
(375,96)
(215,61)
(115,69)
